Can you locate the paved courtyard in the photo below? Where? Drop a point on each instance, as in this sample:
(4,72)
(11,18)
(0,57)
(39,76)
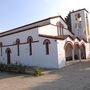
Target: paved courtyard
(72,77)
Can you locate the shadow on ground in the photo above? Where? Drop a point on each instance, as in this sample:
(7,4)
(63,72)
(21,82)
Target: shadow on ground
(73,77)
(4,75)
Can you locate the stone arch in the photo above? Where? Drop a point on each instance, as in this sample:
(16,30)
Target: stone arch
(68,42)
(76,50)
(83,51)
(68,51)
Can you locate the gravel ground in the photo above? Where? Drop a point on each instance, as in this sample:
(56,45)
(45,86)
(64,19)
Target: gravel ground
(71,77)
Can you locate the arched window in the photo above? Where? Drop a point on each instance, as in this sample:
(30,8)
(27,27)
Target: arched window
(8,52)
(60,27)
(46,43)
(18,43)
(30,40)
(1,47)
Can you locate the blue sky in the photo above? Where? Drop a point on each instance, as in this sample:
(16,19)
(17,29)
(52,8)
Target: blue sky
(15,13)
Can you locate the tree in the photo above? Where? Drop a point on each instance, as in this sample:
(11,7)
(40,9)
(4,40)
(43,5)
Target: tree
(68,21)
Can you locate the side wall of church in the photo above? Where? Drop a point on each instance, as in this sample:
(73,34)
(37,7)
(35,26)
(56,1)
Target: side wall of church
(47,60)
(24,57)
(38,57)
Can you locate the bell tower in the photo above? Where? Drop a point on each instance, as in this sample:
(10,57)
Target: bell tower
(80,23)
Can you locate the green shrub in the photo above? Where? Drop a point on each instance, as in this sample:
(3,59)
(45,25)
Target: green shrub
(37,72)
(12,68)
(18,68)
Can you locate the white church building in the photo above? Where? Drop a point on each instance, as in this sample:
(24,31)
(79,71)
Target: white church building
(47,43)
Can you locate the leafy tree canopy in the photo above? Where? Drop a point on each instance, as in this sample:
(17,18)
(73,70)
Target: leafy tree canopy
(68,21)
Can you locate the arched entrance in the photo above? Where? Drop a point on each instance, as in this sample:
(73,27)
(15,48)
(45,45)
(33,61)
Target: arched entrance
(83,52)
(8,51)
(76,51)
(68,51)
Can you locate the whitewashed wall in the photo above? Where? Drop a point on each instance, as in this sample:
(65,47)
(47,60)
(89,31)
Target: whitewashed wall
(88,51)
(48,30)
(55,20)
(51,60)
(61,53)
(38,57)
(65,30)
(24,57)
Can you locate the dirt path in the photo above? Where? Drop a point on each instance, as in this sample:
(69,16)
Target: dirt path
(73,77)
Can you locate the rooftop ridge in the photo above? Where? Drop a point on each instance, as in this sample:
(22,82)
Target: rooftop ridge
(79,10)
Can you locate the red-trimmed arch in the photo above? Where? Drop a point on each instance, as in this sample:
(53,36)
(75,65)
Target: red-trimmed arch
(76,51)
(60,27)
(1,44)
(68,42)
(18,49)
(83,45)
(17,41)
(8,52)
(68,50)
(76,44)
(30,40)
(83,51)
(46,42)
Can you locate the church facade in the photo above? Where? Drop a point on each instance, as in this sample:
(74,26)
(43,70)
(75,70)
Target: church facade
(47,43)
